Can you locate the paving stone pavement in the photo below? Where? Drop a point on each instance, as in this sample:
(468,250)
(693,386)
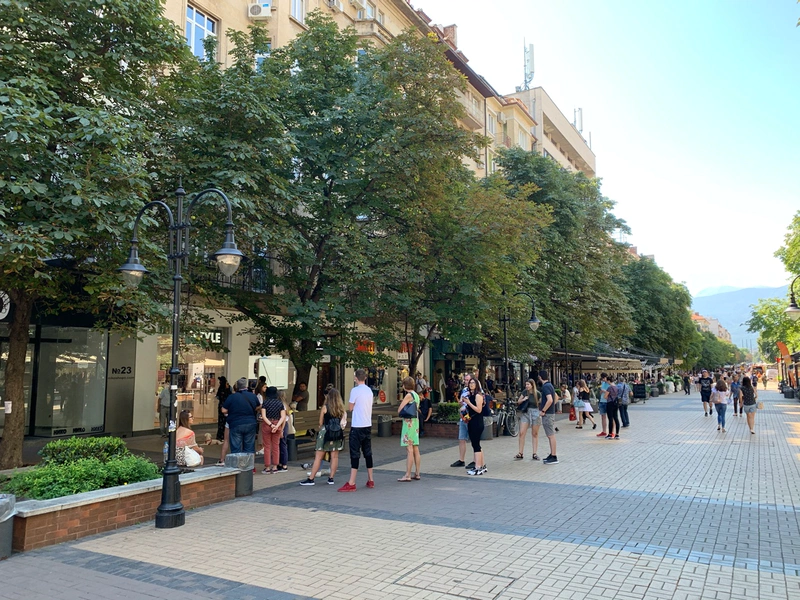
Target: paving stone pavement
(673,510)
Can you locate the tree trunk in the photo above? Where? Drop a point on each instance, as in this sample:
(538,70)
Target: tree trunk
(18,338)
(482,364)
(417,350)
(303,370)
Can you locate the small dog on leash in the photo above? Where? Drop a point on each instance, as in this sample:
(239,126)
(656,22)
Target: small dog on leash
(211,441)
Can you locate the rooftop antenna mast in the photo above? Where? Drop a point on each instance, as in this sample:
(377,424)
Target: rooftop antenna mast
(528,66)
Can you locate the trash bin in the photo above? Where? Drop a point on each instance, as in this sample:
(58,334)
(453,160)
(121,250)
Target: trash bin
(488,429)
(384,426)
(291,446)
(244,479)
(7,503)
(788,392)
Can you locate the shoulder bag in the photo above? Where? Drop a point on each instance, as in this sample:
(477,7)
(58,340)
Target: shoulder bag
(409,411)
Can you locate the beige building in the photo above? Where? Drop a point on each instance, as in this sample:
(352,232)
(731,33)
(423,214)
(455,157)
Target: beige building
(711,325)
(558,137)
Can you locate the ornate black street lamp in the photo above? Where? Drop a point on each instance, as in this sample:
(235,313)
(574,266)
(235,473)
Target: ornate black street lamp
(170,512)
(792,310)
(505,319)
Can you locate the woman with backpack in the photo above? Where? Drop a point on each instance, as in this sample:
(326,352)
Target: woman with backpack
(409,437)
(749,399)
(332,422)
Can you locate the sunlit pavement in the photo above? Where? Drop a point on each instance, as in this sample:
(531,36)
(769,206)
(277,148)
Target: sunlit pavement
(674,509)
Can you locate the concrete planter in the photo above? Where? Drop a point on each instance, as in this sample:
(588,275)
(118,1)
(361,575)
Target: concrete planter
(39,523)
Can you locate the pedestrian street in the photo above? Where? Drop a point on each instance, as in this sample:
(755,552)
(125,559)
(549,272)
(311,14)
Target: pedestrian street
(673,510)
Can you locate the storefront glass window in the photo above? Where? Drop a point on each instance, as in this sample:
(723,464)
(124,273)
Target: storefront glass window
(71,381)
(200,372)
(28,374)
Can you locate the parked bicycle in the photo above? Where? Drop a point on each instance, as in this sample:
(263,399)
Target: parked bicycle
(507,417)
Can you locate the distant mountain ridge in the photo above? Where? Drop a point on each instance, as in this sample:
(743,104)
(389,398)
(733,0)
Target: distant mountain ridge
(723,289)
(732,309)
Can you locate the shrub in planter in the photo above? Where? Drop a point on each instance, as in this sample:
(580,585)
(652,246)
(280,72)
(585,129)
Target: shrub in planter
(62,452)
(447,412)
(83,475)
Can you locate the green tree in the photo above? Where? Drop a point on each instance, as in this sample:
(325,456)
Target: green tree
(714,353)
(661,316)
(74,75)
(337,157)
(576,279)
(769,321)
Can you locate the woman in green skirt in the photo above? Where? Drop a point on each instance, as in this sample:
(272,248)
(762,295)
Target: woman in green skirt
(410,434)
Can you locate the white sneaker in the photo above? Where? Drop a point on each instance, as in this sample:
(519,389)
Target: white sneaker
(260,452)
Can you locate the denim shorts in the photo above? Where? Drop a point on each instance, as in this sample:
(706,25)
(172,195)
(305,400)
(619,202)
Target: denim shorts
(463,434)
(531,416)
(602,408)
(750,408)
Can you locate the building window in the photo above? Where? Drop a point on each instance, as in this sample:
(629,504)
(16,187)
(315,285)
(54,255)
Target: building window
(523,140)
(198,27)
(262,56)
(367,13)
(381,17)
(490,124)
(299,10)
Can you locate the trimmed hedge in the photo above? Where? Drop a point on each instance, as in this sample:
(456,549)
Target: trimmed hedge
(83,475)
(77,465)
(63,452)
(447,412)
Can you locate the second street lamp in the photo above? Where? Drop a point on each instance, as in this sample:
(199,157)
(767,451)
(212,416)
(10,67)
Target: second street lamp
(170,512)
(792,311)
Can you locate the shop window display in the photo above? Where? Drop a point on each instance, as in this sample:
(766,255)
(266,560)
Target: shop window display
(200,370)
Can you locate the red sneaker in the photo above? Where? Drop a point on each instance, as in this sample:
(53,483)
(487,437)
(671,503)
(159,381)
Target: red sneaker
(347,488)
(371,484)
(601,434)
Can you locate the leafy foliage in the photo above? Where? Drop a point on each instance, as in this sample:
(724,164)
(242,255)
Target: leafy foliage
(661,309)
(768,319)
(61,452)
(447,412)
(83,475)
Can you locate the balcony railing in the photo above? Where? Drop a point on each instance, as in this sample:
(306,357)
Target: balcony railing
(253,276)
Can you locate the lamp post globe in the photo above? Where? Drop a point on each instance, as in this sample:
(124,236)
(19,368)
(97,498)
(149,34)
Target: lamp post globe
(793,312)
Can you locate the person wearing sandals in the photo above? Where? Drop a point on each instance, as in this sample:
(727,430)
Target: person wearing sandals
(529,416)
(585,396)
(409,437)
(273,416)
(749,399)
(332,410)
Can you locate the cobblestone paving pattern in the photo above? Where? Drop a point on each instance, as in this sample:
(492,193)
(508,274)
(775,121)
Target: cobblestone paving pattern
(674,510)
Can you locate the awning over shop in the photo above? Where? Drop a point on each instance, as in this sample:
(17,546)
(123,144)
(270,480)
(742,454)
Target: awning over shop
(611,365)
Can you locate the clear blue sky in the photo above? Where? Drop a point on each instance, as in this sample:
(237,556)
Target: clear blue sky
(693,107)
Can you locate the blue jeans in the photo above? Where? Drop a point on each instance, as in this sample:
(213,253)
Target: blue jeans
(243,438)
(721,408)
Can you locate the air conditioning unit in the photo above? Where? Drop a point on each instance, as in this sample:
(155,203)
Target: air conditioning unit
(336,5)
(362,4)
(501,118)
(259,11)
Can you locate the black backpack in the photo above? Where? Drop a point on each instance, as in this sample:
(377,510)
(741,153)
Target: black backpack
(333,430)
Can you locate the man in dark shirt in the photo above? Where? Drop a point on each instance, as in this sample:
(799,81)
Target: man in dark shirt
(301,397)
(425,412)
(547,409)
(240,409)
(706,383)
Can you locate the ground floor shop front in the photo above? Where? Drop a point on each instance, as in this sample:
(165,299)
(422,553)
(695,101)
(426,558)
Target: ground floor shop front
(80,380)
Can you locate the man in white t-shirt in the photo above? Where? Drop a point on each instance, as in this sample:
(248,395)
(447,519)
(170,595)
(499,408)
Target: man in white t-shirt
(360,430)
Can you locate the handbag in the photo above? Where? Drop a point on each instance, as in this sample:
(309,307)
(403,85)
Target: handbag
(409,411)
(524,405)
(192,457)
(572,415)
(579,404)
(760,405)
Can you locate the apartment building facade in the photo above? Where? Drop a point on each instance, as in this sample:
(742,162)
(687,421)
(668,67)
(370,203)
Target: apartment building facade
(557,137)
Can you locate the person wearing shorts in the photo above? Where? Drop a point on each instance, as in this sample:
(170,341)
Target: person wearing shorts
(547,408)
(463,432)
(706,383)
(529,418)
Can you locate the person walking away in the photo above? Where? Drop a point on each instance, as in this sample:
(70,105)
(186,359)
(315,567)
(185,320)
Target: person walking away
(463,432)
(602,405)
(612,409)
(706,384)
(425,412)
(624,394)
(273,416)
(547,408)
(409,437)
(719,398)
(749,399)
(529,417)
(585,395)
(223,391)
(330,438)
(240,408)
(360,430)
(164,399)
(735,397)
(474,404)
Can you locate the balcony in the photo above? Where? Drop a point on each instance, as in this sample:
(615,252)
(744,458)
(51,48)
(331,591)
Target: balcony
(370,28)
(501,139)
(253,276)
(473,118)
